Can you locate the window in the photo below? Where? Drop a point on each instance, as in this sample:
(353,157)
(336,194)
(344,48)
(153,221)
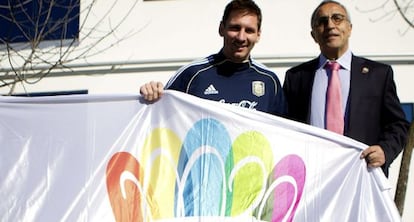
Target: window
(408,110)
(24,21)
(55,93)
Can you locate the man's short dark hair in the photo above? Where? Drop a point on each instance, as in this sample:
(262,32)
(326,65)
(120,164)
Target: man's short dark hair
(249,6)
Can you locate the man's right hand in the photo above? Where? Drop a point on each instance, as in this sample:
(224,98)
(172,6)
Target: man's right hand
(152,91)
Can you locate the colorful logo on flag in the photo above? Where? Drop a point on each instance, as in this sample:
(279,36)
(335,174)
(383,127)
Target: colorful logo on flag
(205,175)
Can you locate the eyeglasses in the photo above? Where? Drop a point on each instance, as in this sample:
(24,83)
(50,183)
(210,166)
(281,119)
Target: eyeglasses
(324,20)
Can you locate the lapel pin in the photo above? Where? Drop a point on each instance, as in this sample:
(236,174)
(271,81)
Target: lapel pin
(365,70)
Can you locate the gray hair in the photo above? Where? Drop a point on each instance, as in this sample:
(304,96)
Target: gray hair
(315,12)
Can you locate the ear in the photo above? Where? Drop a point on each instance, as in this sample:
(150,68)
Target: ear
(221,29)
(258,35)
(313,36)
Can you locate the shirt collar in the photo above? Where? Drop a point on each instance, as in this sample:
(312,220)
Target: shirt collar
(221,56)
(344,60)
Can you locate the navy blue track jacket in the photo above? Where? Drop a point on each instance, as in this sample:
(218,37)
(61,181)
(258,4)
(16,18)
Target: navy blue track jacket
(250,84)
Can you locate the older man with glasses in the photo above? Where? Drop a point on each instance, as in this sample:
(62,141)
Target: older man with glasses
(347,94)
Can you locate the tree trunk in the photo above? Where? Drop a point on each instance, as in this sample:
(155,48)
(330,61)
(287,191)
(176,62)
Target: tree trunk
(404,170)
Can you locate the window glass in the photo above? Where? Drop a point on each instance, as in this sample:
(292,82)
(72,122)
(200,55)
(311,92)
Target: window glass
(54,93)
(408,110)
(23,21)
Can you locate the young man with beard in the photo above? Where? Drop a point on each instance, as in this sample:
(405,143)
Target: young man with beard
(230,76)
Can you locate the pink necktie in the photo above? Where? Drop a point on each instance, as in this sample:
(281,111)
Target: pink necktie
(334,115)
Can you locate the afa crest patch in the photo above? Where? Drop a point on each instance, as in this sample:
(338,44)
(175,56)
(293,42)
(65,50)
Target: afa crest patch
(258,88)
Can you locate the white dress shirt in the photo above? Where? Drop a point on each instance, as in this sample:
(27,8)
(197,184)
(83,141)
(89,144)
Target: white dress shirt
(320,84)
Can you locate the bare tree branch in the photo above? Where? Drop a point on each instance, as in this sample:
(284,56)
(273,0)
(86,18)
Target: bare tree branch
(29,61)
(388,9)
(404,10)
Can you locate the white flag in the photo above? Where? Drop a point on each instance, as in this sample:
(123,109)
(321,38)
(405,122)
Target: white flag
(115,158)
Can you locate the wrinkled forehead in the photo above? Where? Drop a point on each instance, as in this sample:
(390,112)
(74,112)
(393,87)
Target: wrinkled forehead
(330,9)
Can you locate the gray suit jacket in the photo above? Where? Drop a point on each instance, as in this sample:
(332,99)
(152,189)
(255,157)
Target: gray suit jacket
(373,115)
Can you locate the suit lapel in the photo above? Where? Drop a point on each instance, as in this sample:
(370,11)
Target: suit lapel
(358,75)
(308,79)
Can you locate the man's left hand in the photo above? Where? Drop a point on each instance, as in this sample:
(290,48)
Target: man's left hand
(374,155)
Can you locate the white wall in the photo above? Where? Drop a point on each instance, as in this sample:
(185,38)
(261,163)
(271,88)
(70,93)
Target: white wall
(189,29)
